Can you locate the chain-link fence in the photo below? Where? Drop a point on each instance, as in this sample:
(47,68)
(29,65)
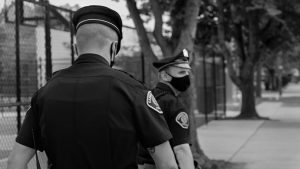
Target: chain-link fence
(35,40)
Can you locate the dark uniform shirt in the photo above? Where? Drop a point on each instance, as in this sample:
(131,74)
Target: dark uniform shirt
(176,116)
(92,116)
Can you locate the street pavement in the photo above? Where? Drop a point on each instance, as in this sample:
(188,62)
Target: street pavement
(258,144)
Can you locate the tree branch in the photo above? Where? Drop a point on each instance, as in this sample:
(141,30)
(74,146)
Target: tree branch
(265,28)
(290,33)
(142,34)
(234,77)
(253,39)
(225,51)
(158,28)
(187,36)
(238,33)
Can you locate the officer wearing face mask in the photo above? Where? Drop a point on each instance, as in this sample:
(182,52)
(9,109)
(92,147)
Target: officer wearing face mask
(173,79)
(90,115)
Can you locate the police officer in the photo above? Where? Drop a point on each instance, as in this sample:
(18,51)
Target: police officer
(173,79)
(90,115)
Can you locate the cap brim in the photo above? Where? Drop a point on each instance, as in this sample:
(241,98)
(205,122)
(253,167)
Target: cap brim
(183,65)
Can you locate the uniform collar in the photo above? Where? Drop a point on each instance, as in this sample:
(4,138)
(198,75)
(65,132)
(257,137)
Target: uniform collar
(167,87)
(91,58)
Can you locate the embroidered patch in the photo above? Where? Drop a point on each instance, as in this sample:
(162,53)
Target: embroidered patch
(152,103)
(183,120)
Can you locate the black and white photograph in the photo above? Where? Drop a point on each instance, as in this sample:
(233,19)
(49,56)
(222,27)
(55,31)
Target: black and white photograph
(149,84)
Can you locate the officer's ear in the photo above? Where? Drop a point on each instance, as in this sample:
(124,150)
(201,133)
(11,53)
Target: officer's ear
(113,49)
(165,76)
(113,52)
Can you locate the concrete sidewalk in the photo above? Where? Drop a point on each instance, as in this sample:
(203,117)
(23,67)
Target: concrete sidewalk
(259,144)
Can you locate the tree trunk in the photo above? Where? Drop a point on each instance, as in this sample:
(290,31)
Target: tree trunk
(225,51)
(188,33)
(198,153)
(258,80)
(141,31)
(144,41)
(248,110)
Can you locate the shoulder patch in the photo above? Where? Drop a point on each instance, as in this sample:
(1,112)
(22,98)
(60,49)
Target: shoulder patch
(183,120)
(152,103)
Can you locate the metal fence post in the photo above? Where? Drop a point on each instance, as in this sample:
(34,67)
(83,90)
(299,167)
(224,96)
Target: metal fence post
(205,86)
(18,81)
(214,85)
(224,85)
(72,39)
(48,41)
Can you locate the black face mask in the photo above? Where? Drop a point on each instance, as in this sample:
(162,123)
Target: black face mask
(181,83)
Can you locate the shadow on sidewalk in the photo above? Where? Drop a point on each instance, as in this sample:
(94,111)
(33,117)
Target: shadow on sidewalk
(292,101)
(221,164)
(235,166)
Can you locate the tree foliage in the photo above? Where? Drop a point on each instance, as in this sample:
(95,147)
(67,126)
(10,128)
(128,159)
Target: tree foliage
(247,30)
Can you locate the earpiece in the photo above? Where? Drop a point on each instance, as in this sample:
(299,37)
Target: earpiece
(113,48)
(113,52)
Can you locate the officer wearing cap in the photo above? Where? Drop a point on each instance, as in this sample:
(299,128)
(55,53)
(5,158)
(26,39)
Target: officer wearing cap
(90,115)
(173,79)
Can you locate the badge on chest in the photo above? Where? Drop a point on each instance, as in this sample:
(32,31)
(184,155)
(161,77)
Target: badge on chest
(183,120)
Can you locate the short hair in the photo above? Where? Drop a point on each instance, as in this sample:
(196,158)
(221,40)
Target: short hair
(95,33)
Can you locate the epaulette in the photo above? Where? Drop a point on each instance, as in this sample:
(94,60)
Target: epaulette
(130,75)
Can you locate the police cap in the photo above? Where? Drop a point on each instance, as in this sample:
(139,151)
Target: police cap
(180,60)
(101,15)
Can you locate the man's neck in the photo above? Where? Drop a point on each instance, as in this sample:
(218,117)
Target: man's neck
(97,53)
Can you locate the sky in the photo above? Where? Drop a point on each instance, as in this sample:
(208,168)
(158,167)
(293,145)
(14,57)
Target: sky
(120,7)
